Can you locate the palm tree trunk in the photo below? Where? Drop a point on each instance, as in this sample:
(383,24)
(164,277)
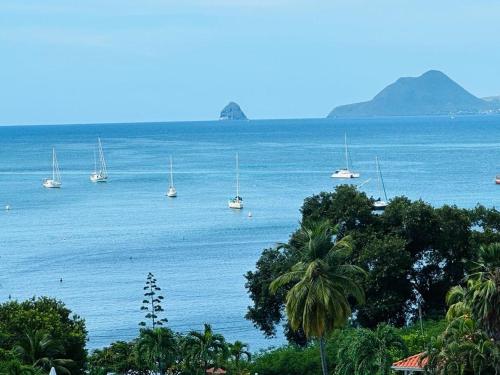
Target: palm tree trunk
(322,353)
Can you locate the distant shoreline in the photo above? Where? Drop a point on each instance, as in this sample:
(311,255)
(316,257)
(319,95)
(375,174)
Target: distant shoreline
(211,122)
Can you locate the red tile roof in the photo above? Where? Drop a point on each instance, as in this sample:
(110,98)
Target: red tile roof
(414,362)
(215,371)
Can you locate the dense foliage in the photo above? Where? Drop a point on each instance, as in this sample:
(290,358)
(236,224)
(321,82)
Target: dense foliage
(412,261)
(384,344)
(471,342)
(367,352)
(162,351)
(40,333)
(413,254)
(159,350)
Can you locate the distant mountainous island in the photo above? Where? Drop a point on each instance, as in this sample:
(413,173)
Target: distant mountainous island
(433,93)
(492,99)
(232,111)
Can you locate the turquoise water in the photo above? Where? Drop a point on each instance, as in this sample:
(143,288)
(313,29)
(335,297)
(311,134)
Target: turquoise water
(103,239)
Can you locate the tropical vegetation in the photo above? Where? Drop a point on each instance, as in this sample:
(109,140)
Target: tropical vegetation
(471,342)
(319,283)
(354,291)
(41,333)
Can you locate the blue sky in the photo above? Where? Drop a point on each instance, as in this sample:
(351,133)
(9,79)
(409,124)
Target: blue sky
(65,61)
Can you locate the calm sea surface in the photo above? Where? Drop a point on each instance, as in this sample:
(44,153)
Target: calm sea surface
(103,239)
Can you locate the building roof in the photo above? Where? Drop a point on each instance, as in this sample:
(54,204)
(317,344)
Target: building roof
(213,370)
(414,362)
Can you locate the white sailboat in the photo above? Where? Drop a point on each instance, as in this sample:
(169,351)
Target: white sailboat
(101,174)
(237,201)
(380,204)
(345,172)
(172,193)
(55,181)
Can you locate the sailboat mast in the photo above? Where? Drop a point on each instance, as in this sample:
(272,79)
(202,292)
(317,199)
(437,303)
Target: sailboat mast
(237,176)
(171,173)
(102,161)
(346,152)
(56,175)
(53,164)
(380,180)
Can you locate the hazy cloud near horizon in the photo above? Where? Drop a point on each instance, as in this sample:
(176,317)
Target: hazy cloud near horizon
(69,61)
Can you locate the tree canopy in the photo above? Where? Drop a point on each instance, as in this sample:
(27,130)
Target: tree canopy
(59,334)
(413,254)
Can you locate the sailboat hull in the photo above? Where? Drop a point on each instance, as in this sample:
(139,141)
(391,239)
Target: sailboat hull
(235,204)
(345,173)
(51,184)
(379,205)
(171,193)
(95,177)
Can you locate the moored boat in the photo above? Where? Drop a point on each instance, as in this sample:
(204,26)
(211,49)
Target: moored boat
(55,181)
(237,201)
(172,193)
(345,172)
(101,174)
(380,204)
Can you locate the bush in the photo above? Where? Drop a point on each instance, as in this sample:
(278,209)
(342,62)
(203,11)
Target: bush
(45,315)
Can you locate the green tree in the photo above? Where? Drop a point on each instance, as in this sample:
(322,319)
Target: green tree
(411,252)
(266,311)
(322,283)
(290,360)
(238,350)
(366,352)
(45,315)
(204,349)
(120,357)
(38,349)
(15,367)
(481,295)
(387,286)
(418,336)
(470,344)
(484,294)
(345,205)
(158,347)
(152,303)
(463,349)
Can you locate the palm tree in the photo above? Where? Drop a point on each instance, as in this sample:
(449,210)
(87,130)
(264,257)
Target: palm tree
(203,349)
(485,290)
(457,304)
(38,349)
(481,296)
(158,348)
(470,343)
(238,350)
(321,283)
(122,356)
(463,349)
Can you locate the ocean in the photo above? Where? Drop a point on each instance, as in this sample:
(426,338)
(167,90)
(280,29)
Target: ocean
(103,239)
